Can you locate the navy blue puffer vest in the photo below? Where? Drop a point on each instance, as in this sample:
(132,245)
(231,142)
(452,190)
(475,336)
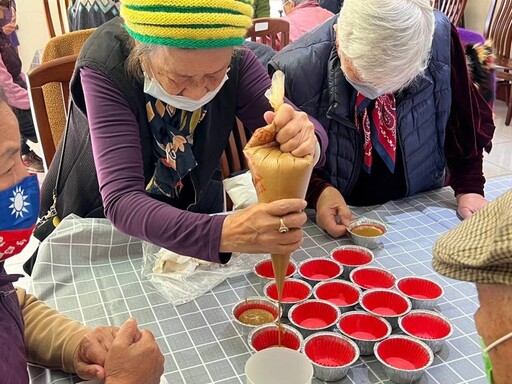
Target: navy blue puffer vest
(319,88)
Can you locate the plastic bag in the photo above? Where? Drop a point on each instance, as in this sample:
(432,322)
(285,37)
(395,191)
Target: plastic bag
(182,279)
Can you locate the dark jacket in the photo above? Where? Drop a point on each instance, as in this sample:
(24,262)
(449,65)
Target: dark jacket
(106,51)
(332,5)
(13,359)
(319,88)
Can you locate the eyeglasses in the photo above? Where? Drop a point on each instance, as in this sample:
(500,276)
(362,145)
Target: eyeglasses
(286,2)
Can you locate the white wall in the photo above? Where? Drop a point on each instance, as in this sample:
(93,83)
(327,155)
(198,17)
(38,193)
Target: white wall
(33,31)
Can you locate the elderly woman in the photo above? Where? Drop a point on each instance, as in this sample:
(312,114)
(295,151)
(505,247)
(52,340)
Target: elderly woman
(391,87)
(157,96)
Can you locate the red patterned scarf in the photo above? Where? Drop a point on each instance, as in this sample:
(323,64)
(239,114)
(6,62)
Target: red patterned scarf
(378,124)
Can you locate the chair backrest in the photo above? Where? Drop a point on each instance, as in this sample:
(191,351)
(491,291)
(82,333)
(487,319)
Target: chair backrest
(233,159)
(64,45)
(274,32)
(498,27)
(453,9)
(62,15)
(54,71)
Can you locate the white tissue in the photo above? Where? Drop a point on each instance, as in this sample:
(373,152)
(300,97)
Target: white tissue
(240,190)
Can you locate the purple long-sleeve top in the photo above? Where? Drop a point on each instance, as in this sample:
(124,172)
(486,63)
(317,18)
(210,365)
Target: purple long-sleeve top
(118,158)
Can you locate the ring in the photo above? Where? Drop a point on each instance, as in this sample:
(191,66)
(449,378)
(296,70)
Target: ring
(282,228)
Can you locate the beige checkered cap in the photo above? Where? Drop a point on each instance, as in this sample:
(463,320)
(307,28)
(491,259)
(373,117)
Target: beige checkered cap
(480,248)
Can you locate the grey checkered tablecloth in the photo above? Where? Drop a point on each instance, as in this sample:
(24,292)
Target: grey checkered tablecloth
(92,273)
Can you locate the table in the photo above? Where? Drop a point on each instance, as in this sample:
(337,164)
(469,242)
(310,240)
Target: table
(92,273)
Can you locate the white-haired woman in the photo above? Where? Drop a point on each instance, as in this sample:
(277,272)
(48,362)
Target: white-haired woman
(391,87)
(157,96)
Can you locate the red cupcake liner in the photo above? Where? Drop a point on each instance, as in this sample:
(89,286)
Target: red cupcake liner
(339,293)
(265,269)
(330,350)
(293,291)
(352,256)
(372,277)
(313,314)
(419,288)
(364,326)
(269,337)
(385,302)
(428,326)
(320,269)
(403,353)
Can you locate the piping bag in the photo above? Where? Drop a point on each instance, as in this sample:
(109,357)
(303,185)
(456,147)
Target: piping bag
(276,175)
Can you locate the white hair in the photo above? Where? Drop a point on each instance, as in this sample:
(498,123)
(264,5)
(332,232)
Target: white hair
(387,41)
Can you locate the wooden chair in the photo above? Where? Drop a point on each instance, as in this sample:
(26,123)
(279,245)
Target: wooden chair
(453,9)
(498,28)
(48,12)
(270,31)
(67,44)
(233,159)
(54,71)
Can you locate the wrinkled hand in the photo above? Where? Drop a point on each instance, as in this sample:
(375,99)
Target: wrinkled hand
(9,28)
(90,354)
(332,213)
(470,203)
(295,132)
(256,229)
(134,357)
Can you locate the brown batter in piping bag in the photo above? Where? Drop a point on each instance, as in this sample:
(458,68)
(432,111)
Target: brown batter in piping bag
(276,175)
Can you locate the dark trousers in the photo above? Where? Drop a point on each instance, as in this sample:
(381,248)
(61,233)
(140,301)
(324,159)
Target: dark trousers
(27,129)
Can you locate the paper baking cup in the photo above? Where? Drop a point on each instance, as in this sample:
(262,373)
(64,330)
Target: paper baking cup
(252,303)
(386,303)
(265,272)
(423,293)
(404,358)
(316,270)
(351,256)
(294,291)
(267,336)
(430,327)
(341,293)
(265,269)
(331,354)
(313,315)
(372,277)
(365,329)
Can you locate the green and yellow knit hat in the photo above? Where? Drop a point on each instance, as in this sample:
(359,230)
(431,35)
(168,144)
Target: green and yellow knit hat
(193,24)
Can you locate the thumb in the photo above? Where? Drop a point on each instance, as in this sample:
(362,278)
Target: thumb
(464,212)
(128,333)
(90,371)
(269,117)
(345,215)
(285,206)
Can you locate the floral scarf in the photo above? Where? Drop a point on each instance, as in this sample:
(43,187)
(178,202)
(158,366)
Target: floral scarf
(173,133)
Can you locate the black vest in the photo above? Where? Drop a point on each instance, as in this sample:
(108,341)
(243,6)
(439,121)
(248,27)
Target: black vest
(106,51)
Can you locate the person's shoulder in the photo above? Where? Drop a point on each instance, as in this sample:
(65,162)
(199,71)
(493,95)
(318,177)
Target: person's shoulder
(318,42)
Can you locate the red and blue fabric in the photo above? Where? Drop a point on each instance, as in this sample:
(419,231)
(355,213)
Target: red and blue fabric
(19,209)
(376,119)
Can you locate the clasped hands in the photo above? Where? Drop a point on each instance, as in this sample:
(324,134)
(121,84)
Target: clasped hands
(119,355)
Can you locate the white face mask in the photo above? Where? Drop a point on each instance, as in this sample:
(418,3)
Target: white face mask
(153,88)
(367,90)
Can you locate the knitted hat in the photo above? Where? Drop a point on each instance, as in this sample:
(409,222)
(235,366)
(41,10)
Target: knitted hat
(194,24)
(480,248)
